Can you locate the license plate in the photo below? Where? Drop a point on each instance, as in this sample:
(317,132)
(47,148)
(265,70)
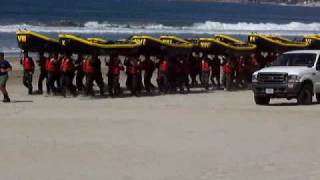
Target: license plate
(269,91)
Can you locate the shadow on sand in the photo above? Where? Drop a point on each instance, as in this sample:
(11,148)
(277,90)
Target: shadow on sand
(22,101)
(126,94)
(291,104)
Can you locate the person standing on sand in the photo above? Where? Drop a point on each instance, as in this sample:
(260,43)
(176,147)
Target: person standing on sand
(43,73)
(92,69)
(115,66)
(205,72)
(132,74)
(79,73)
(149,67)
(67,73)
(5,67)
(28,70)
(215,71)
(227,75)
(163,70)
(52,67)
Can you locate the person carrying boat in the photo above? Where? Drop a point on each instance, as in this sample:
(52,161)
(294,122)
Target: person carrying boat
(5,67)
(261,59)
(139,67)
(178,74)
(227,74)
(115,67)
(43,73)
(205,72)
(185,73)
(79,73)
(132,70)
(92,70)
(98,78)
(195,68)
(149,67)
(215,64)
(28,70)
(52,68)
(271,58)
(252,66)
(67,74)
(163,70)
(240,74)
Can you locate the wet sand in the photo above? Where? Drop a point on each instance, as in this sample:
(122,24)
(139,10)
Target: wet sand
(216,135)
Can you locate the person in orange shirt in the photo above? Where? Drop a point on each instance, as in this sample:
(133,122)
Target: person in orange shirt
(133,72)
(67,73)
(115,67)
(227,74)
(28,70)
(163,71)
(240,72)
(92,70)
(205,72)
(52,68)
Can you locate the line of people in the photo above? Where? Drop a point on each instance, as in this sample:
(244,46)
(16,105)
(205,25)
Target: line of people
(173,74)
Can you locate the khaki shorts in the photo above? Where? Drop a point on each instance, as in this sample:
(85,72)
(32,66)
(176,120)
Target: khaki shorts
(3,80)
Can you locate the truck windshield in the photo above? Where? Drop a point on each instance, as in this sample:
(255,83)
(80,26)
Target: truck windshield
(298,59)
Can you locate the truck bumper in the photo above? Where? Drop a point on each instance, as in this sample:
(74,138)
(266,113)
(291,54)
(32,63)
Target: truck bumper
(286,90)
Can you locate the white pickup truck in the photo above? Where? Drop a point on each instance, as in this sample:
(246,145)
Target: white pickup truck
(295,74)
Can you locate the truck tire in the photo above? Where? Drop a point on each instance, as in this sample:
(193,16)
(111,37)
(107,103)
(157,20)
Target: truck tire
(305,95)
(261,100)
(318,97)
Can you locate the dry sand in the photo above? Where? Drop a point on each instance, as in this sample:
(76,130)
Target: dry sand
(218,135)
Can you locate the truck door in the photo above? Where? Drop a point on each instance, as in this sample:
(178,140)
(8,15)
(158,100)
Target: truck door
(317,76)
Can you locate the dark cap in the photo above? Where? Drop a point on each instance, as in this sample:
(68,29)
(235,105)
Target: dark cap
(1,54)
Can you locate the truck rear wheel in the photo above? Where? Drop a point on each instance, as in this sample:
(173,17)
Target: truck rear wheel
(305,95)
(261,100)
(318,97)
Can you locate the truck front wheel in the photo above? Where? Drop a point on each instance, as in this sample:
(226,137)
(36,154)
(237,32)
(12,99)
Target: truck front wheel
(261,100)
(305,95)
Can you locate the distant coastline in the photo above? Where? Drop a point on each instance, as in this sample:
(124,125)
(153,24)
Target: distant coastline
(271,2)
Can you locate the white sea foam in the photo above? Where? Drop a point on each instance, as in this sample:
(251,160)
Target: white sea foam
(208,27)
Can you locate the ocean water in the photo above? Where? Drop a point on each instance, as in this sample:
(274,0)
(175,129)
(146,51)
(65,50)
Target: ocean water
(118,19)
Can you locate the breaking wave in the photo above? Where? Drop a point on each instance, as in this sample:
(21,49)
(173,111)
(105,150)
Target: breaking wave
(208,27)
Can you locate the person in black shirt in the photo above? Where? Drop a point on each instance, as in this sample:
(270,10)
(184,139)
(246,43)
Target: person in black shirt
(43,73)
(5,67)
(215,71)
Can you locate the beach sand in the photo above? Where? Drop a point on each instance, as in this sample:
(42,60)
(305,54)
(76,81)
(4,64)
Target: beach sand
(200,136)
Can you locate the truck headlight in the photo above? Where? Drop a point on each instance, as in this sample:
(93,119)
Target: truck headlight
(293,78)
(255,78)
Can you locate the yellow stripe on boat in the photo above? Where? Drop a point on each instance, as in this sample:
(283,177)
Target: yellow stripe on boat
(174,38)
(206,43)
(21,35)
(105,46)
(277,40)
(222,36)
(311,38)
(142,40)
(97,40)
